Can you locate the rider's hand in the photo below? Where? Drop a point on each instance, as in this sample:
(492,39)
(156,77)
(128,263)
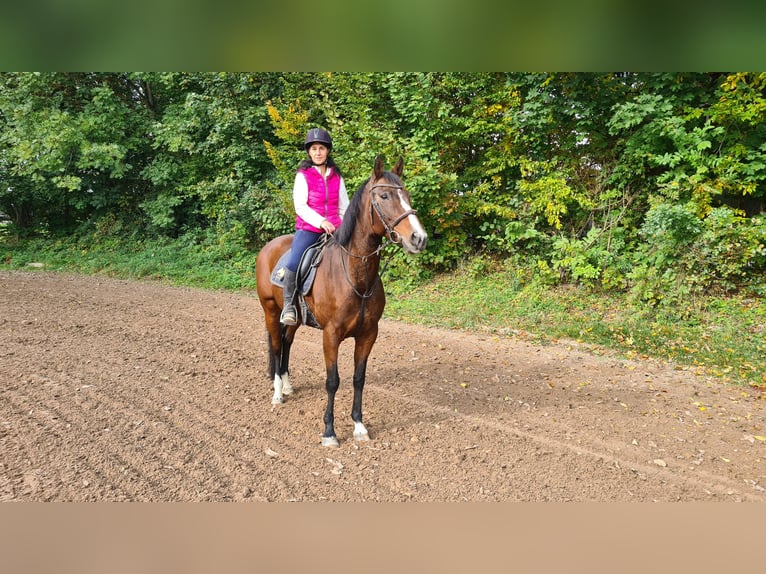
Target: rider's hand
(328,227)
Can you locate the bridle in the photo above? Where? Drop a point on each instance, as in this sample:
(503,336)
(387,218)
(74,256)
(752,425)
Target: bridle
(393,235)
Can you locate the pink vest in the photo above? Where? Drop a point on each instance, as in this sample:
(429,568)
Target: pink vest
(323,198)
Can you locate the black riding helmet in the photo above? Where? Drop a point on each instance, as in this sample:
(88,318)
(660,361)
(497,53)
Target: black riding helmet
(318,135)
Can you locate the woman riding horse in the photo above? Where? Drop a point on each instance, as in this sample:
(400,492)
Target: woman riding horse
(320,199)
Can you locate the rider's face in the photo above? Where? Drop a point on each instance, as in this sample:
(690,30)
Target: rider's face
(318,153)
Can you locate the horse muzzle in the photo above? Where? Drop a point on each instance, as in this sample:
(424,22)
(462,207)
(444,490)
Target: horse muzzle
(415,243)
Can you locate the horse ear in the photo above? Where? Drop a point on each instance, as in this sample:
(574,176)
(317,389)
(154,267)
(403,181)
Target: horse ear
(399,167)
(378,169)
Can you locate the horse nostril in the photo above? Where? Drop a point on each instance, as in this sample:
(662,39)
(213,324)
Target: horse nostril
(418,240)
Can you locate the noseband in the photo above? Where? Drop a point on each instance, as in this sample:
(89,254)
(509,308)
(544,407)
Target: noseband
(393,235)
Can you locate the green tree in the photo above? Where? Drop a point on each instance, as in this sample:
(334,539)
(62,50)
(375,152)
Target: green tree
(71,146)
(565,176)
(209,157)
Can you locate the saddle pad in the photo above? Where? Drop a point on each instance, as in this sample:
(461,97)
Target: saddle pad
(277,278)
(306,269)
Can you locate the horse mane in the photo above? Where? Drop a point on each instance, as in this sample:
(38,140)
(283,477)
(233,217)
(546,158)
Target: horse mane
(346,230)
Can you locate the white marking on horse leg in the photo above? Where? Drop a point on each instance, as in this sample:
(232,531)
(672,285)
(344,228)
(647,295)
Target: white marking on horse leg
(277,398)
(360,432)
(287,388)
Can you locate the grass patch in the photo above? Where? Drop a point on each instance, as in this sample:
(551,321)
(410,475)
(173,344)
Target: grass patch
(719,336)
(723,337)
(186,261)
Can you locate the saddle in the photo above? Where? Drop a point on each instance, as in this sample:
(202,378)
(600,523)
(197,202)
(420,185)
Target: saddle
(304,277)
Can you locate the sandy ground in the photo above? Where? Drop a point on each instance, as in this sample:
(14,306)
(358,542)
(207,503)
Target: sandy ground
(115,390)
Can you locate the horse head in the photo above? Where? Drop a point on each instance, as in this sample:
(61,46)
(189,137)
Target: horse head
(390,201)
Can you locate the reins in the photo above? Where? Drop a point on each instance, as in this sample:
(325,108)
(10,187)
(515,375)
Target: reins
(367,294)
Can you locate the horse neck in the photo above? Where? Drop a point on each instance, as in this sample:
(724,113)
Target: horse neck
(364,249)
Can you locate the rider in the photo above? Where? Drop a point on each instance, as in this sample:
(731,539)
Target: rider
(321,199)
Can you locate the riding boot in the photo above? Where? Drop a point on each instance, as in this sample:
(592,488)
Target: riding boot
(289,314)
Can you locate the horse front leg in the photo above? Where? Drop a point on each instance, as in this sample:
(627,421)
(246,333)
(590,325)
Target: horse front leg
(332,383)
(362,349)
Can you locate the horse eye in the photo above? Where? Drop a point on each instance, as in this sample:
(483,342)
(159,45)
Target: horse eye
(383,196)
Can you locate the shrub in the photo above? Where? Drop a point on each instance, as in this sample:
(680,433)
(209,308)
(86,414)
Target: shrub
(729,253)
(686,255)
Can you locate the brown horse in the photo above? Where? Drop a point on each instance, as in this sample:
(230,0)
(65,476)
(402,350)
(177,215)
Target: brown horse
(347,297)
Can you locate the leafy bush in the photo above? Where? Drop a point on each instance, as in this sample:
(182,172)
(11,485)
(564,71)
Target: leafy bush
(686,255)
(729,253)
(596,260)
(657,276)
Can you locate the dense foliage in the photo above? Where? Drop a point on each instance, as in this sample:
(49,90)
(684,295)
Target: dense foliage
(649,183)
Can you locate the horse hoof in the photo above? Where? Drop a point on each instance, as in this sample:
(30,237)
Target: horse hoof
(330,441)
(277,401)
(287,387)
(361,436)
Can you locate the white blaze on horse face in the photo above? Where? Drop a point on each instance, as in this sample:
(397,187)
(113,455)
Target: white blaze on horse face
(417,228)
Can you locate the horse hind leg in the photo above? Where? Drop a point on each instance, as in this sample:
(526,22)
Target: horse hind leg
(288,336)
(280,340)
(275,359)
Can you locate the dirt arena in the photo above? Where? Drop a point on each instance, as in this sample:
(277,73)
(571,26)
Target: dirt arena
(114,390)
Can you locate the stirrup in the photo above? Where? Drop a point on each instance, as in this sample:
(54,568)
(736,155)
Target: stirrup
(288,316)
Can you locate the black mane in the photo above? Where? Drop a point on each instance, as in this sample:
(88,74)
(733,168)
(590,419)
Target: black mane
(346,229)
